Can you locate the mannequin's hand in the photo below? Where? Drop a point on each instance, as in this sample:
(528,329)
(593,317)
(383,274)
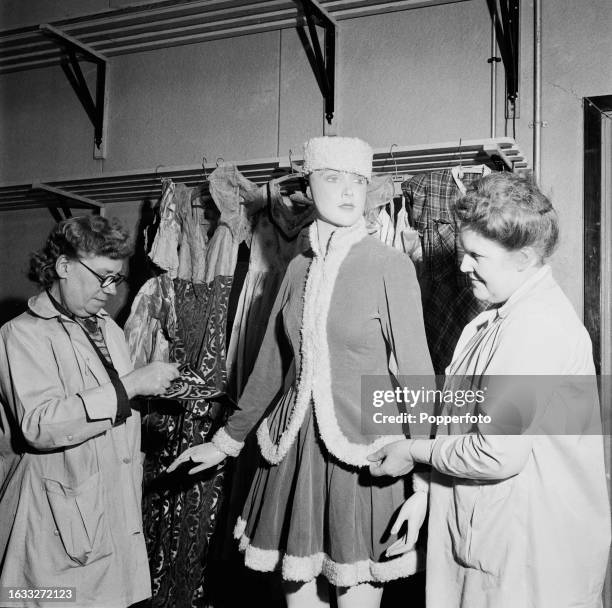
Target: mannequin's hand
(413,513)
(392,459)
(206,454)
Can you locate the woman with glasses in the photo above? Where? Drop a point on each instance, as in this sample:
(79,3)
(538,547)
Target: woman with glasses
(70,461)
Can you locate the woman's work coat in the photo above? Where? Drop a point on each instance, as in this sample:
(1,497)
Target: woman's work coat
(70,482)
(522,520)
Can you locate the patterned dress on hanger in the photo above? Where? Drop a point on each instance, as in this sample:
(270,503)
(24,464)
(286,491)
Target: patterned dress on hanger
(180,511)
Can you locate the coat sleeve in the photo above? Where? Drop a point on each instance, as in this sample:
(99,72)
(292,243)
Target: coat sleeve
(521,385)
(266,379)
(402,317)
(403,327)
(31,385)
(482,457)
(404,330)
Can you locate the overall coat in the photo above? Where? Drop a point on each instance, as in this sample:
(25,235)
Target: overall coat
(70,482)
(523,520)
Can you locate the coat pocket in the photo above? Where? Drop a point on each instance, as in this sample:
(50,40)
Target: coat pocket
(78,513)
(482,524)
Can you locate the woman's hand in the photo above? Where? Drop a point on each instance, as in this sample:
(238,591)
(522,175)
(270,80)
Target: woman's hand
(152,379)
(205,453)
(392,459)
(412,513)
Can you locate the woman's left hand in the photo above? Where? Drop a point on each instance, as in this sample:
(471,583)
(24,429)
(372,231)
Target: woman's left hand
(412,513)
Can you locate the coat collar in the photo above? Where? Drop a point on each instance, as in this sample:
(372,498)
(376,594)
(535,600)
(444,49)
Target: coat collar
(540,279)
(340,240)
(42,307)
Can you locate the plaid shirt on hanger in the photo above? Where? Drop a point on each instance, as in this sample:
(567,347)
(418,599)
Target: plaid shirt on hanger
(448,303)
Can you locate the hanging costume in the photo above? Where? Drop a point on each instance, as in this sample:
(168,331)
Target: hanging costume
(180,511)
(448,301)
(338,315)
(277,238)
(378,220)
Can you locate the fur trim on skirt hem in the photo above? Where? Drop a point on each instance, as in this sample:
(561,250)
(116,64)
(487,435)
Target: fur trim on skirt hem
(304,569)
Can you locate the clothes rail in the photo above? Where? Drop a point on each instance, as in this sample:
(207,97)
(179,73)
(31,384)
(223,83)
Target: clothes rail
(141,185)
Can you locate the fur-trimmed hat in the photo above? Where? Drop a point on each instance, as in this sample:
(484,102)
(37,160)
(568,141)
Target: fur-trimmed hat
(349,154)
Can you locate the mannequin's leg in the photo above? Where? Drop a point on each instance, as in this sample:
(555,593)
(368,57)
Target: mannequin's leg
(359,596)
(313,594)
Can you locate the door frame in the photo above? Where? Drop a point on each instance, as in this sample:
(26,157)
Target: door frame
(597,264)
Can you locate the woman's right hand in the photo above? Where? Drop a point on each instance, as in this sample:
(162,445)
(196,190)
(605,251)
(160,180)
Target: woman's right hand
(392,459)
(152,379)
(205,453)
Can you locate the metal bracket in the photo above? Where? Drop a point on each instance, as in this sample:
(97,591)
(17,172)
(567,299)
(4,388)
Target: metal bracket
(73,50)
(311,14)
(62,204)
(499,157)
(506,19)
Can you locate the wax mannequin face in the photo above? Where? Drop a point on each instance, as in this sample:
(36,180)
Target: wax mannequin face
(339,197)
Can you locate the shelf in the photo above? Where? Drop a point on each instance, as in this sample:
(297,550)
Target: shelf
(145,184)
(171,23)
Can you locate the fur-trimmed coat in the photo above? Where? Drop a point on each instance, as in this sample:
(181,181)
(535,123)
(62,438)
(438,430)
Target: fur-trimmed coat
(350,311)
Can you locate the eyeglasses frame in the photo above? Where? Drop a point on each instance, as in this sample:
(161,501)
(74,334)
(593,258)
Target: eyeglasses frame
(106,281)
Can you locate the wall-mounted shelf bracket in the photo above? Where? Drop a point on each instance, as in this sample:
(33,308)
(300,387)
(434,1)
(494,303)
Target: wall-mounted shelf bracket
(323,62)
(505,15)
(72,51)
(65,200)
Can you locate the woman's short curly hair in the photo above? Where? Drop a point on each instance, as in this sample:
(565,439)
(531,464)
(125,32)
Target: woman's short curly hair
(88,235)
(512,211)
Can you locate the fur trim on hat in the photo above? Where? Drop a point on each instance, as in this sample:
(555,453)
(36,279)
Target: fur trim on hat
(349,154)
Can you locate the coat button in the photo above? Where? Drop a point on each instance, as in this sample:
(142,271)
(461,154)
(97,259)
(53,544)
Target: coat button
(127,460)
(69,437)
(56,532)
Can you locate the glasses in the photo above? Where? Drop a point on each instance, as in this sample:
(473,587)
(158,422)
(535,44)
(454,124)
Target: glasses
(106,281)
